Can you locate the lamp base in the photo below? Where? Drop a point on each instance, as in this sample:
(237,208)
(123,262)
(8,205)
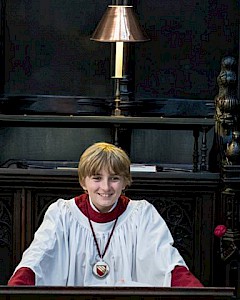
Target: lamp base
(117,110)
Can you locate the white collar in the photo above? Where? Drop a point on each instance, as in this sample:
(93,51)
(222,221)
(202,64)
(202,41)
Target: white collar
(94,207)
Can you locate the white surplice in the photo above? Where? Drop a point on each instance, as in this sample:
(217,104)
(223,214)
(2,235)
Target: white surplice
(140,252)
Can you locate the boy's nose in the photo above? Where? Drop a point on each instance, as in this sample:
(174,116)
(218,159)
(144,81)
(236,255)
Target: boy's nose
(105,185)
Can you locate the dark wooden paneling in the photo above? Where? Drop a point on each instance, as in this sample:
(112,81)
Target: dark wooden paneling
(10,222)
(102,293)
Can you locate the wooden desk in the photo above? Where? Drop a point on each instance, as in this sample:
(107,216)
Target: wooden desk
(102,293)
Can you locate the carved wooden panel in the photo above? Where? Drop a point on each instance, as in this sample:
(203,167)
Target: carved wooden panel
(6,206)
(8,237)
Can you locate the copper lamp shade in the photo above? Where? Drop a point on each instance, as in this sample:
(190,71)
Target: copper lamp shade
(119,24)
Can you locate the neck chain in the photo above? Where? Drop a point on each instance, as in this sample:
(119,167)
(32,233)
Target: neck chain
(101,268)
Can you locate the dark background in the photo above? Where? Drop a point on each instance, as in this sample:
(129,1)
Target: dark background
(46,51)
(48,47)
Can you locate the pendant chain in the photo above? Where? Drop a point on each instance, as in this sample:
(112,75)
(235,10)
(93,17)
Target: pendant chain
(95,238)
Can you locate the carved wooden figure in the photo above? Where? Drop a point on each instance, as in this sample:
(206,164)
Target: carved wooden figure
(228,138)
(227,113)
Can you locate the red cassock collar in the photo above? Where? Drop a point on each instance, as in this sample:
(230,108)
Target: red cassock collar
(84,205)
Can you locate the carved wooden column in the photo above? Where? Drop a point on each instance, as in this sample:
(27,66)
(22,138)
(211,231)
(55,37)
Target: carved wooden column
(227,113)
(227,138)
(195,150)
(230,241)
(203,163)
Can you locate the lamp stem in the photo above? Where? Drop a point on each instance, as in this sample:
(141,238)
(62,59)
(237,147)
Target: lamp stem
(117,110)
(119,60)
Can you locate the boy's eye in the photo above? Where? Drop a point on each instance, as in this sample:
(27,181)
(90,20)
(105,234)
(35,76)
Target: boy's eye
(96,177)
(112,178)
(115,178)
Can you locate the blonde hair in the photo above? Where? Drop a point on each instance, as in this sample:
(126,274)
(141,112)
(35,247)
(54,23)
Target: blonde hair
(103,155)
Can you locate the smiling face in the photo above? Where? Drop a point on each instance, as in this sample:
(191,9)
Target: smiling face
(104,189)
(104,171)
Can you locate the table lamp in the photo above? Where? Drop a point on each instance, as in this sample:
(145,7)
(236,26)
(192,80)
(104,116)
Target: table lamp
(119,24)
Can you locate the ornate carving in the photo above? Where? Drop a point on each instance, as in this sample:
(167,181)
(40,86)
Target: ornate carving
(227,113)
(5,224)
(233,149)
(230,241)
(227,138)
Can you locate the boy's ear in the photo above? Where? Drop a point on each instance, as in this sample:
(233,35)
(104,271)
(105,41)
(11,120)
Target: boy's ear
(82,183)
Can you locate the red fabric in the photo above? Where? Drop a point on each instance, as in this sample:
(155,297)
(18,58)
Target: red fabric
(181,277)
(23,276)
(84,205)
